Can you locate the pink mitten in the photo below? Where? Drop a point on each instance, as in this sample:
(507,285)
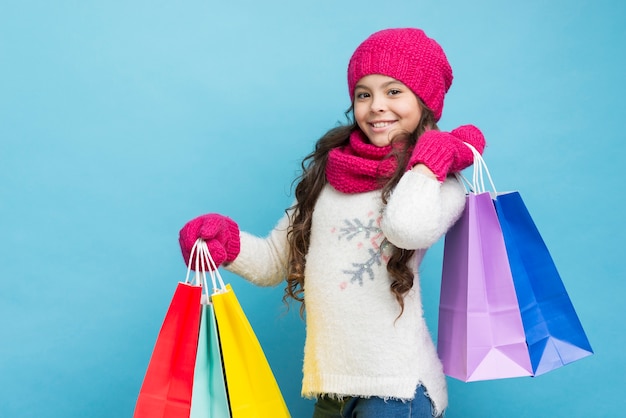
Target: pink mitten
(220,233)
(445,152)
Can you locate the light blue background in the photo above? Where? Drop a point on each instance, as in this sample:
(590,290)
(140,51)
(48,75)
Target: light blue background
(121,120)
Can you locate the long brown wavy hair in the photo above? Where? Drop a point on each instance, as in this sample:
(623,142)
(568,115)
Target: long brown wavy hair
(309,186)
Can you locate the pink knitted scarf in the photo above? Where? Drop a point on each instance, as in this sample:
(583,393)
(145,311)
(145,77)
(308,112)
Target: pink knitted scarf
(359,166)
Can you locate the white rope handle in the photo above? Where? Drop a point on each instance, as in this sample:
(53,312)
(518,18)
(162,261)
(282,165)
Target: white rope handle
(216,277)
(201,267)
(480,169)
(204,263)
(467,185)
(194,250)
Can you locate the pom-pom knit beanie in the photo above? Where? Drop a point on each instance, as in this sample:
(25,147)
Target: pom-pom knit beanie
(407,55)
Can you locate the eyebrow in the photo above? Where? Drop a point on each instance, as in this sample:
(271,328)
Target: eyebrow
(386,84)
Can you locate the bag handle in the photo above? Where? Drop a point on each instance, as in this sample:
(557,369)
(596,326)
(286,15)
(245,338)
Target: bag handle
(204,263)
(216,277)
(199,277)
(477,185)
(194,250)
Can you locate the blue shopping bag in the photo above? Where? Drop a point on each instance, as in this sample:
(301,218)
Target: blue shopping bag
(554,334)
(209,398)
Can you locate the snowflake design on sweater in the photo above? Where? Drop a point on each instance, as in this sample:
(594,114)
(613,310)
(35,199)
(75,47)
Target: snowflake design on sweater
(364,269)
(353,228)
(363,233)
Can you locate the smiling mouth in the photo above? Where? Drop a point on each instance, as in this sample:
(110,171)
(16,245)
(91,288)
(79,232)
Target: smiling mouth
(380,124)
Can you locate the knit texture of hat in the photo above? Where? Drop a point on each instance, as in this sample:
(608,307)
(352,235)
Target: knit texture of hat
(407,55)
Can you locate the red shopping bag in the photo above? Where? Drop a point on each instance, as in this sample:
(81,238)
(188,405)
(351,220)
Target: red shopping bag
(167,386)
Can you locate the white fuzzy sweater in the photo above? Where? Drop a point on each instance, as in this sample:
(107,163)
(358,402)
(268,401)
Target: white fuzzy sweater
(356,345)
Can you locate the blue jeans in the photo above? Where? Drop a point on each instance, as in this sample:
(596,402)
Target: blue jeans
(419,407)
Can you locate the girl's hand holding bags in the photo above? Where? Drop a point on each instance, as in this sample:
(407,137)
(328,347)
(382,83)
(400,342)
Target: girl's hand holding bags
(220,233)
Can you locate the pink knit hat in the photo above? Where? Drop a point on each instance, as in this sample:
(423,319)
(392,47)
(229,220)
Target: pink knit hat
(407,55)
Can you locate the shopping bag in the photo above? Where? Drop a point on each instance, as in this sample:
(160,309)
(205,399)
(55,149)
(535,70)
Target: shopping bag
(480,332)
(167,386)
(209,399)
(252,388)
(554,333)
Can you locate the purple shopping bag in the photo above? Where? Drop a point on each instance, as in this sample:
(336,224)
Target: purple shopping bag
(480,336)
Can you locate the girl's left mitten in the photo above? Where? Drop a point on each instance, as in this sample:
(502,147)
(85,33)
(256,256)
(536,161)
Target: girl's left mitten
(445,152)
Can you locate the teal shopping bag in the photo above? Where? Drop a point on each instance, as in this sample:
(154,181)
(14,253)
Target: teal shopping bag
(209,398)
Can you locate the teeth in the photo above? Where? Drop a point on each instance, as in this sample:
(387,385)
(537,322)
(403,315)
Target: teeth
(380,124)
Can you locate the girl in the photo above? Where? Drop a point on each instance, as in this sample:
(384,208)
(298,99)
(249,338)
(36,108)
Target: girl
(374,195)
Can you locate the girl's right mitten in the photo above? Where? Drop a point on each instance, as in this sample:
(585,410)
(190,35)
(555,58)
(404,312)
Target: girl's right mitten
(220,233)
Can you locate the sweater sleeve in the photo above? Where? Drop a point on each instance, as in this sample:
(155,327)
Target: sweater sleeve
(421,209)
(263,261)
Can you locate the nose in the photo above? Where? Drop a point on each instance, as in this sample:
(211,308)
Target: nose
(378,104)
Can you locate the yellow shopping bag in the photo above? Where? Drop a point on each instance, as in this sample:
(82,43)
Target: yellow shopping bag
(252,388)
(251,385)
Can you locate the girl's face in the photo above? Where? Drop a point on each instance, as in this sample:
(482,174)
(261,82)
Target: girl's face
(383,107)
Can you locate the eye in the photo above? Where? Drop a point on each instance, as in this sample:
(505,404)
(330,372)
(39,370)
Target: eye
(362,95)
(393,92)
